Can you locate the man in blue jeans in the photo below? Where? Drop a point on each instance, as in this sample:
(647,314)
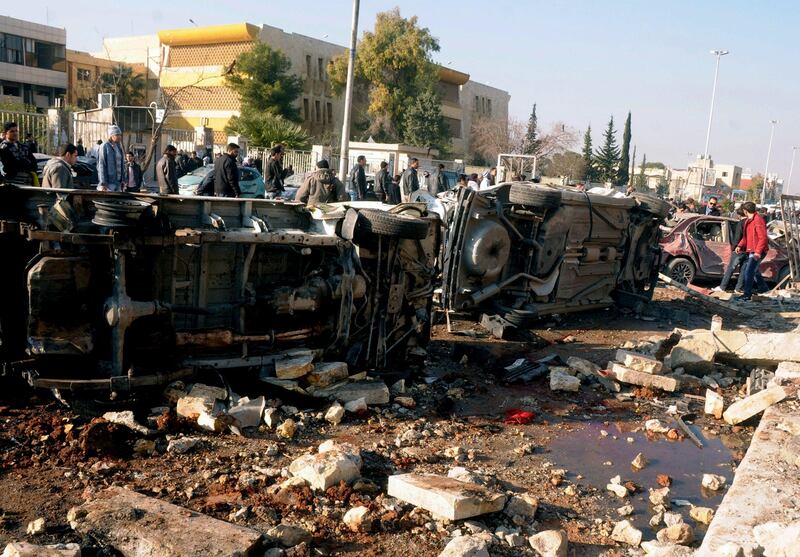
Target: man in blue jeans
(755,244)
(736,259)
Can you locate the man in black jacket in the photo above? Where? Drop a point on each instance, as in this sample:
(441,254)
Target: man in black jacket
(132,174)
(382,182)
(358,180)
(276,174)
(226,173)
(19,164)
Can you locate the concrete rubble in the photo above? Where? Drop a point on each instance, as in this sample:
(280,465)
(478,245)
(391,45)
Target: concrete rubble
(22,549)
(445,497)
(714,404)
(560,381)
(466,546)
(550,543)
(633,377)
(625,532)
(748,407)
(331,465)
(639,362)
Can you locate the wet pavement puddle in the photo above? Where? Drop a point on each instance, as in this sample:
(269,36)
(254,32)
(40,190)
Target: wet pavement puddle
(584,451)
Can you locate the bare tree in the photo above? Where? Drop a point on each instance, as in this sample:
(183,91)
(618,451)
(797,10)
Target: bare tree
(491,136)
(559,139)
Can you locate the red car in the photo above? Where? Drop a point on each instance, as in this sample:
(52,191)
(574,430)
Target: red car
(699,246)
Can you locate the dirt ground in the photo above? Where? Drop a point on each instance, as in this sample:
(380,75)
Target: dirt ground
(565,456)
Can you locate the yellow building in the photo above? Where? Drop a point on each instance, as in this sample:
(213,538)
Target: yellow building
(84,77)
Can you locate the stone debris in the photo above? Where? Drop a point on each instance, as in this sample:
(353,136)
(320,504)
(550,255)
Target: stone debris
(746,408)
(715,404)
(639,462)
(672,519)
(698,350)
(617,489)
(655,426)
(22,549)
(523,505)
(633,377)
(35,527)
(445,497)
(625,510)
(182,445)
(271,417)
(589,369)
(786,372)
(714,482)
(777,539)
(331,465)
(286,429)
(466,546)
(334,414)
(659,497)
(126,418)
(289,535)
(655,548)
(550,543)
(373,392)
(560,381)
(325,374)
(639,362)
(134,524)
(204,405)
(248,413)
(295,364)
(405,401)
(681,534)
(703,515)
(357,519)
(625,532)
(357,406)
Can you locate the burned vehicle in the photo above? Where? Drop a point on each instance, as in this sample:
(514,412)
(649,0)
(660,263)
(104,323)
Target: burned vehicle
(523,250)
(111,292)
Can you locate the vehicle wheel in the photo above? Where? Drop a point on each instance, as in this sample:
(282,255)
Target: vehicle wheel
(392,224)
(680,270)
(534,196)
(520,318)
(652,203)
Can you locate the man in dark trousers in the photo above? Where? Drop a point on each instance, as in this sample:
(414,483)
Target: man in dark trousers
(438,182)
(383,182)
(166,172)
(226,173)
(322,186)
(132,179)
(755,244)
(357,182)
(409,181)
(19,164)
(276,174)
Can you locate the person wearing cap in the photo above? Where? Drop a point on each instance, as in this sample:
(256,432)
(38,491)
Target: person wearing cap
(111,161)
(322,186)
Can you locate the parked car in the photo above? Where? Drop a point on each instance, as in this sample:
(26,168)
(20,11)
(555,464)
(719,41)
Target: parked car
(250,181)
(524,250)
(192,284)
(699,247)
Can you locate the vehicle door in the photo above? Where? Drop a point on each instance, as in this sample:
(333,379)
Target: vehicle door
(249,183)
(711,238)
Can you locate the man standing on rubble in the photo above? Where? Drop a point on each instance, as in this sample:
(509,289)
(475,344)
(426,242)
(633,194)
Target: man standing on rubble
(754,243)
(409,181)
(322,186)
(226,173)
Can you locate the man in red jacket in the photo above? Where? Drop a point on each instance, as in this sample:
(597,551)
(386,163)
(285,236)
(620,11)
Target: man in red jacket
(754,243)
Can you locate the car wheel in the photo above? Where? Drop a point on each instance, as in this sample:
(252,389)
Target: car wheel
(681,270)
(652,203)
(520,318)
(392,224)
(534,196)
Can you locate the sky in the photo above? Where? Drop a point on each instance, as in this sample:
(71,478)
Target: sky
(579,61)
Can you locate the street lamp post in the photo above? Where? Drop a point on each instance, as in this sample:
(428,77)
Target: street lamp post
(348,95)
(766,166)
(791,169)
(719,54)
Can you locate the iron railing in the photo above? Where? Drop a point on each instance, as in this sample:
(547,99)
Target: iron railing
(790,211)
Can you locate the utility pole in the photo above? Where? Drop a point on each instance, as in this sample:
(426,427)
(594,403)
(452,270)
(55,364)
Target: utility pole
(348,96)
(719,54)
(791,169)
(766,167)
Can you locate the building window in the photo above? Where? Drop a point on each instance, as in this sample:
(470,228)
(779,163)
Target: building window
(308,65)
(317,111)
(30,52)
(84,74)
(321,69)
(477,104)
(724,174)
(453,126)
(11,49)
(483,105)
(489,107)
(306,115)
(329,110)
(11,90)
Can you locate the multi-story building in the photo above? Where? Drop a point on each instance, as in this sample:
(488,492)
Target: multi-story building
(33,65)
(190,64)
(85,73)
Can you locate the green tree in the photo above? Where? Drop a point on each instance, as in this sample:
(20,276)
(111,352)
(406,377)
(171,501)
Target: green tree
(756,185)
(624,159)
(265,129)
(393,64)
(569,164)
(262,77)
(589,171)
(532,145)
(607,157)
(128,87)
(424,124)
(641,180)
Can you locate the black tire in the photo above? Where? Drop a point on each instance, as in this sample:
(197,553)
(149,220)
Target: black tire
(680,270)
(382,223)
(520,318)
(534,196)
(652,204)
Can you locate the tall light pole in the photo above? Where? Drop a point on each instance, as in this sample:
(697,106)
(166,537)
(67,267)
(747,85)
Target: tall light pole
(348,96)
(766,166)
(719,54)
(791,169)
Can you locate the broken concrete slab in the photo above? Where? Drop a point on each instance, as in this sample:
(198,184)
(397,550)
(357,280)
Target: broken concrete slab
(698,350)
(633,377)
(746,408)
(208,392)
(715,404)
(560,381)
(334,414)
(289,535)
(325,374)
(22,549)
(639,362)
(466,546)
(787,372)
(550,543)
(294,364)
(357,519)
(445,497)
(778,539)
(326,469)
(182,445)
(139,526)
(373,392)
(523,505)
(589,369)
(247,413)
(126,418)
(625,532)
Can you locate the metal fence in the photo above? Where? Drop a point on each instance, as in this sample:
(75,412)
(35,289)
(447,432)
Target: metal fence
(30,123)
(790,210)
(183,140)
(300,161)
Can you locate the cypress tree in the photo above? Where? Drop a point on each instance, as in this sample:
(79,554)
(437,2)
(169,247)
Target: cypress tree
(607,157)
(532,142)
(624,159)
(588,160)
